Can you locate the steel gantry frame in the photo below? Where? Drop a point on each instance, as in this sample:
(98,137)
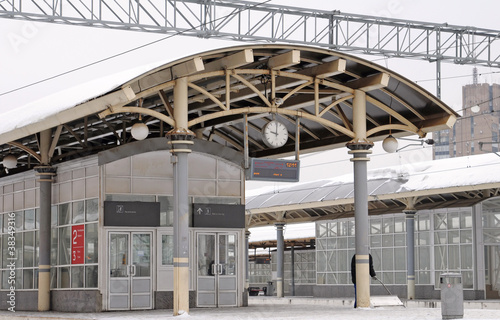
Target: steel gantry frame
(261,21)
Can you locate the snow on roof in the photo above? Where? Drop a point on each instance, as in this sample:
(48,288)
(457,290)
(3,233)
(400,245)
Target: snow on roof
(437,174)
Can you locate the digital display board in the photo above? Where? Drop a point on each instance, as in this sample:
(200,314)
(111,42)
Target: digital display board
(273,170)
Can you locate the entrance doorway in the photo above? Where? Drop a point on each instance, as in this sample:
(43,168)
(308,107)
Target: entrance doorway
(492,272)
(130,273)
(217,274)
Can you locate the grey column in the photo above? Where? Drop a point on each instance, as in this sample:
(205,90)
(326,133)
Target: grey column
(45,174)
(280,251)
(179,158)
(292,262)
(180,139)
(247,263)
(410,252)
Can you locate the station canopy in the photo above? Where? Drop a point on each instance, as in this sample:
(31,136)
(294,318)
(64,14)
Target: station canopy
(232,92)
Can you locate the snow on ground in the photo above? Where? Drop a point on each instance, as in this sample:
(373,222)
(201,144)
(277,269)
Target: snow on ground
(278,311)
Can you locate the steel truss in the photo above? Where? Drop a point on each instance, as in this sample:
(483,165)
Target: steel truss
(260,21)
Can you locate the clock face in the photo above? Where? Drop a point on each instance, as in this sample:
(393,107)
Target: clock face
(275,134)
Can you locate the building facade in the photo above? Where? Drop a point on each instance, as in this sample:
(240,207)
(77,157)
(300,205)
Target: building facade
(100,263)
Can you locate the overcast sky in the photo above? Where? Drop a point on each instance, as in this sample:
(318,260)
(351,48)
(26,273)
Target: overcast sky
(31,52)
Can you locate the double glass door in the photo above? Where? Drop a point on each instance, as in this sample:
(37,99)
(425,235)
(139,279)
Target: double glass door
(130,280)
(217,269)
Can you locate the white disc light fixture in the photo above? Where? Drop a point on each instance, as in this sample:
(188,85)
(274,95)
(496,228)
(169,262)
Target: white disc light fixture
(390,144)
(139,131)
(10,161)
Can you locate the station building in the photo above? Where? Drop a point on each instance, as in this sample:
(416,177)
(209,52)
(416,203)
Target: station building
(133,198)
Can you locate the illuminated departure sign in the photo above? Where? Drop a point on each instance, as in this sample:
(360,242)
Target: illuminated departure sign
(273,170)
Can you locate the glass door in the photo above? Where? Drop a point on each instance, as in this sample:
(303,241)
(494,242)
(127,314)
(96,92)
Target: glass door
(217,269)
(130,281)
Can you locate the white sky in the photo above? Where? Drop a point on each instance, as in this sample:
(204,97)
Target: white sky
(31,52)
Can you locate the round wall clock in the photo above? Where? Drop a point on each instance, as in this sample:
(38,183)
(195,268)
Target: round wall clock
(275,134)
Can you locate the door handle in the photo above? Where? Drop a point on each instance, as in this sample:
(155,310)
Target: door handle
(132,270)
(219,266)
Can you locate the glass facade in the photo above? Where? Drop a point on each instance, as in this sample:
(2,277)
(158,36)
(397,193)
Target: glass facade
(443,243)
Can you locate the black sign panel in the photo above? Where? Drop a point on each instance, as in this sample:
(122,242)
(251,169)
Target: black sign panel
(206,215)
(131,214)
(274,170)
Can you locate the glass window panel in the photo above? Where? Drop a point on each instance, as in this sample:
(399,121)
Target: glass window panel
(35,279)
(351,242)
(424,222)
(453,220)
(53,246)
(63,277)
(440,237)
(441,257)
(78,212)
(342,228)
(376,241)
(1,220)
(77,277)
(321,229)
(332,229)
(37,249)
(351,229)
(424,277)
(388,225)
(19,249)
(465,236)
(167,249)
(91,243)
(454,257)
(5,250)
(468,280)
(5,222)
(53,278)
(91,210)
(332,243)
(29,219)
(91,276)
(141,254)
(29,249)
(466,257)
(453,237)
(400,240)
(64,214)
(388,240)
(423,238)
(19,220)
(440,221)
(321,244)
(400,277)
(64,249)
(399,258)
(27,278)
(424,258)
(387,259)
(375,226)
(166,211)
(376,257)
(320,278)
(5,279)
(53,220)
(399,224)
(466,220)
(321,261)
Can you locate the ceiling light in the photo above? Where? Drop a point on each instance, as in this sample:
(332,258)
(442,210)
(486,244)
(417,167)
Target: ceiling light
(10,161)
(139,131)
(390,144)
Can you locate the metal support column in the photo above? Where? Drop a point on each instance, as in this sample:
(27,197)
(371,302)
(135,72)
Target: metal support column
(359,148)
(247,262)
(45,175)
(410,251)
(280,251)
(292,263)
(180,139)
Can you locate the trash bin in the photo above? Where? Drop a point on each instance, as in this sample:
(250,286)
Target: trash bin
(270,289)
(452,296)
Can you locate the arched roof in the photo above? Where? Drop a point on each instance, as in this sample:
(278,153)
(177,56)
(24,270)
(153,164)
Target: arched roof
(308,89)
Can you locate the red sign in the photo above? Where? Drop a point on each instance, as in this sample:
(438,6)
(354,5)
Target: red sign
(78,244)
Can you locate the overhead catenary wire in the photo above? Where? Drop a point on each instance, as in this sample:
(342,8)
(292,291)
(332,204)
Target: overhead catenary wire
(130,50)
